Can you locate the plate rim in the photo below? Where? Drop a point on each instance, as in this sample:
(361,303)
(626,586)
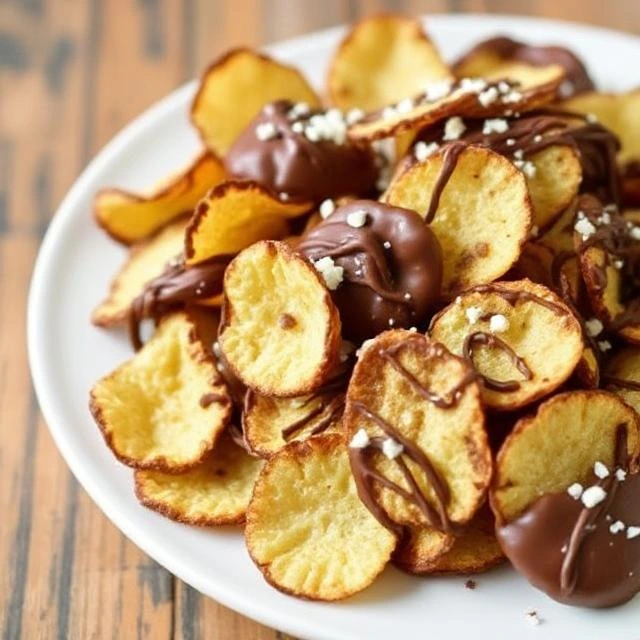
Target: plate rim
(275,618)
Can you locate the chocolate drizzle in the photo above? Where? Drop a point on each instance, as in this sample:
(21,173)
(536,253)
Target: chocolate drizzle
(621,383)
(489,340)
(332,409)
(450,157)
(210,398)
(175,286)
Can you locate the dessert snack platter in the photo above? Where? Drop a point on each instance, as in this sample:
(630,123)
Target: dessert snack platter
(304,305)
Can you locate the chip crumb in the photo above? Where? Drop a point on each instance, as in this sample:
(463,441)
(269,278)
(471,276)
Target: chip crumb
(473,314)
(594,327)
(575,490)
(331,273)
(357,218)
(470,584)
(422,150)
(327,208)
(360,440)
(454,128)
(593,496)
(617,527)
(498,323)
(633,532)
(391,448)
(494,125)
(600,469)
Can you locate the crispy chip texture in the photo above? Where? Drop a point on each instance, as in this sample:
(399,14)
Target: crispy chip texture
(483,217)
(475,551)
(547,339)
(233,216)
(383,59)
(145,261)
(151,409)
(618,112)
(622,375)
(234,89)
(269,423)
(281,330)
(129,217)
(215,492)
(558,446)
(306,528)
(386,381)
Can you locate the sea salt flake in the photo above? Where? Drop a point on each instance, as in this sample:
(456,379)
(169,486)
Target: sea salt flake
(593,496)
(600,470)
(327,208)
(423,150)
(357,218)
(331,273)
(488,97)
(407,296)
(297,127)
(591,118)
(621,475)
(633,532)
(454,128)
(594,327)
(405,106)
(266,131)
(473,314)
(494,125)
(575,490)
(584,227)
(617,527)
(386,244)
(604,345)
(391,448)
(354,116)
(473,85)
(360,440)
(510,142)
(635,233)
(498,323)
(437,90)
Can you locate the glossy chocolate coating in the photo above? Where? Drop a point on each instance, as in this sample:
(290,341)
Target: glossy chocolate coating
(392,286)
(292,164)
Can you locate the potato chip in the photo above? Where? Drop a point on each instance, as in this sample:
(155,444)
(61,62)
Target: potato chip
(165,408)
(621,375)
(269,423)
(476,550)
(415,429)
(235,215)
(130,217)
(471,196)
(281,330)
(383,59)
(146,260)
(216,492)
(522,339)
(558,446)
(235,87)
(306,528)
(618,112)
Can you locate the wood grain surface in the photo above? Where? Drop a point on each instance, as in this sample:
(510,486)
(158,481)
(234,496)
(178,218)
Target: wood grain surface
(71,74)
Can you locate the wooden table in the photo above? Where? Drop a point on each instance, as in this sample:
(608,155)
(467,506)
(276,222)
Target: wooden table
(71,74)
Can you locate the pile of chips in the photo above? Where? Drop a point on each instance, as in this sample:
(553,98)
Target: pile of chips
(401,327)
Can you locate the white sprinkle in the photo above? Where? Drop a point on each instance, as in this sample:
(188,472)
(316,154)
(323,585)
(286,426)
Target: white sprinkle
(621,475)
(386,244)
(591,117)
(360,440)
(617,527)
(600,470)
(407,296)
(575,490)
(498,323)
(437,90)
(357,218)
(422,150)
(473,314)
(405,106)
(297,127)
(494,125)
(593,496)
(485,98)
(266,131)
(633,532)
(354,116)
(635,233)
(473,85)
(511,142)
(604,345)
(584,227)
(537,138)
(391,448)
(327,208)
(594,327)
(453,128)
(532,618)
(331,273)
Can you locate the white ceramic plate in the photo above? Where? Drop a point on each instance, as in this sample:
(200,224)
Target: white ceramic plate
(67,355)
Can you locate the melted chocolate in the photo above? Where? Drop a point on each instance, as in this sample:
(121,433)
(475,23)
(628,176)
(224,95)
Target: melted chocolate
(392,267)
(209,398)
(621,383)
(568,551)
(290,163)
(491,341)
(332,410)
(577,78)
(514,296)
(175,286)
(450,156)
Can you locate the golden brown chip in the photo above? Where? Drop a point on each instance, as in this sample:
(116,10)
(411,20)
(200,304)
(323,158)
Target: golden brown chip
(415,429)
(145,261)
(215,492)
(306,528)
(618,112)
(166,407)
(130,217)
(235,215)
(523,340)
(534,263)
(482,218)
(281,330)
(269,423)
(383,59)
(558,446)
(476,550)
(234,89)
(621,374)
